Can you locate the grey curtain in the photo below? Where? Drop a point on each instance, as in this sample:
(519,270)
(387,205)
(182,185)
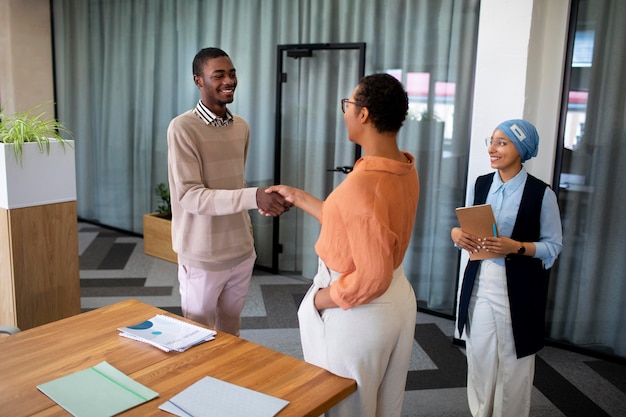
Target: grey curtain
(589,285)
(123,71)
(117,89)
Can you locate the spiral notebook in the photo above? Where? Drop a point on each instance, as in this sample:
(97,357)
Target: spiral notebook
(167,333)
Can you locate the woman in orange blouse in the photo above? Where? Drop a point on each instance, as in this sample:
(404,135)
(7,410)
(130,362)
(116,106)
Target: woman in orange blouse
(358,318)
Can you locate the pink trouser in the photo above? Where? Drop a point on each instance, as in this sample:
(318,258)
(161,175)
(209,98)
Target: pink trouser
(215,298)
(498,384)
(370,343)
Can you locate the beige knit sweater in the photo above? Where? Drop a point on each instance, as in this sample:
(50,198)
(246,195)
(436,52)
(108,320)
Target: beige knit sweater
(211,226)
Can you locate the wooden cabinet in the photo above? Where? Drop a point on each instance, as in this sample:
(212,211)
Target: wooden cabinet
(39,269)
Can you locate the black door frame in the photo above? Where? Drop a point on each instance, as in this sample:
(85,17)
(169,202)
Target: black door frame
(297,51)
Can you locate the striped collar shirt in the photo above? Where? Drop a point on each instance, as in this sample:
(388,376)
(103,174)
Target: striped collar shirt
(210,118)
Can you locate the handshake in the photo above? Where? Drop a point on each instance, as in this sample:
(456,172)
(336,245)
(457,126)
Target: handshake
(271,203)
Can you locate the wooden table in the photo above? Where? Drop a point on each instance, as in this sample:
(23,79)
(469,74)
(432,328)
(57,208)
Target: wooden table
(56,349)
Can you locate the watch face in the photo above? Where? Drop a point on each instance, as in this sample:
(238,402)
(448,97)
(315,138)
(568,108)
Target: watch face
(521,250)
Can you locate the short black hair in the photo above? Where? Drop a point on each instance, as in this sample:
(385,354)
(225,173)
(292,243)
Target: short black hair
(203,56)
(386,100)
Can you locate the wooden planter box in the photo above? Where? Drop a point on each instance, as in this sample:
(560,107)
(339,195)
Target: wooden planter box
(39,269)
(157,237)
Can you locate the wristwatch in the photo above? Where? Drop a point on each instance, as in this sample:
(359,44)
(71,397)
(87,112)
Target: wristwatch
(522,249)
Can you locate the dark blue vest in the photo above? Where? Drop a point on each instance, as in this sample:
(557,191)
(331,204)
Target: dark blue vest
(527,280)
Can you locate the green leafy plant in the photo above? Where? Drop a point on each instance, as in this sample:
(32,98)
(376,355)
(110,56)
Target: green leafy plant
(429,115)
(22,127)
(165,208)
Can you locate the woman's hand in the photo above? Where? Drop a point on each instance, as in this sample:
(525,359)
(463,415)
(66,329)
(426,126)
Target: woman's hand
(465,240)
(322,299)
(289,193)
(500,245)
(505,245)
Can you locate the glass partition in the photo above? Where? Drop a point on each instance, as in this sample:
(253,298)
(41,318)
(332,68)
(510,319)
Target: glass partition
(588,288)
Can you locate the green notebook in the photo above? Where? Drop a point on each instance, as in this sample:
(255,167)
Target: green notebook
(100,391)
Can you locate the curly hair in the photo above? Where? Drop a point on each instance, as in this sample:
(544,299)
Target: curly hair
(386,100)
(203,56)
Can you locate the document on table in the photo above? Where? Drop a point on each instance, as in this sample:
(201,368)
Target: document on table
(99,391)
(168,333)
(213,397)
(479,221)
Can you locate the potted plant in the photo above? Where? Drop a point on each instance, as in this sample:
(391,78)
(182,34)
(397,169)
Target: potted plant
(164,209)
(39,275)
(23,127)
(157,228)
(35,165)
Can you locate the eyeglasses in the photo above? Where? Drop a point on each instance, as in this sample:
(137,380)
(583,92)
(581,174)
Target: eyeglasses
(345,101)
(498,143)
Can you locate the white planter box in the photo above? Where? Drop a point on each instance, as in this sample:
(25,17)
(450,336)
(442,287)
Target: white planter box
(40,179)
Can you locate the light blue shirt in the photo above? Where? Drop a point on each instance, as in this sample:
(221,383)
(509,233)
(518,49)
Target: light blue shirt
(505,198)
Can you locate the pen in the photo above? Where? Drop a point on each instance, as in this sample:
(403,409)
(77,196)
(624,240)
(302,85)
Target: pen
(495,231)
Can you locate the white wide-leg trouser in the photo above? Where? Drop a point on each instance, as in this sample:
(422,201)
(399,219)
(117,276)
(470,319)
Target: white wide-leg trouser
(370,343)
(498,384)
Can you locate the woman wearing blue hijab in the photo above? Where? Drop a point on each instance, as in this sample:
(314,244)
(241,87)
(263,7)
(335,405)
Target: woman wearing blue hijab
(502,305)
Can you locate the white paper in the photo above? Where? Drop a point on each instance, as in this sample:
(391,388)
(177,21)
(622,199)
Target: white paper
(211,397)
(168,333)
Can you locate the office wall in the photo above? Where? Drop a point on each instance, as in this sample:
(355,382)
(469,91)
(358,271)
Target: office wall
(519,74)
(26,56)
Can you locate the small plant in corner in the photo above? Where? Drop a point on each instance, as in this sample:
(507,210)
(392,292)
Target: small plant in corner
(22,127)
(429,115)
(165,208)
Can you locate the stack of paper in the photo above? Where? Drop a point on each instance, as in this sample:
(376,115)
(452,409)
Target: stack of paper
(100,391)
(212,397)
(168,333)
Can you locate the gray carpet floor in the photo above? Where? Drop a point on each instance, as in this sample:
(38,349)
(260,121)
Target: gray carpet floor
(114,268)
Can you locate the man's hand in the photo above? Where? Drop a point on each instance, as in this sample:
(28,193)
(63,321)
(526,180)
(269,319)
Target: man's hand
(296,197)
(271,204)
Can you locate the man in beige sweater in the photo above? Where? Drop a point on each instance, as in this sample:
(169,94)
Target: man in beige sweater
(211,228)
